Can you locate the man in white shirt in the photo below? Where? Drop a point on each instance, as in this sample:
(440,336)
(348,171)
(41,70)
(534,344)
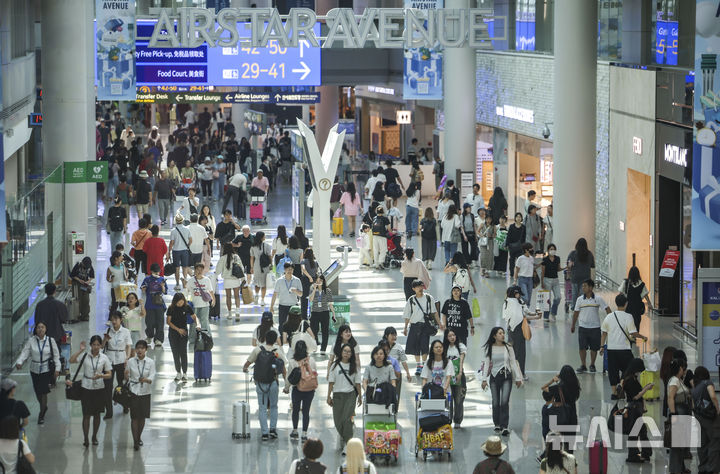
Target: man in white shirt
(198,234)
(287,291)
(201,288)
(618,332)
(475,199)
(417,308)
(587,318)
(189,119)
(236,192)
(179,248)
(530,200)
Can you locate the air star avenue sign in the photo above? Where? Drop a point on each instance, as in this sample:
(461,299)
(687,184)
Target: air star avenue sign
(381,27)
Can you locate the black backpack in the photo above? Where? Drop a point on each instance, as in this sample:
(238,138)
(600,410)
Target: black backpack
(264,259)
(266,366)
(115,219)
(429,230)
(378,226)
(311,467)
(432,391)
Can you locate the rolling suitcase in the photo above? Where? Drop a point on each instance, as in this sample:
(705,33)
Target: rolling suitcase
(337,226)
(241,414)
(598,457)
(203,365)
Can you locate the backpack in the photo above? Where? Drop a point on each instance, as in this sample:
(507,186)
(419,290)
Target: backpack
(303,465)
(308,378)
(378,226)
(115,221)
(265,370)
(429,230)
(265,259)
(432,391)
(461,278)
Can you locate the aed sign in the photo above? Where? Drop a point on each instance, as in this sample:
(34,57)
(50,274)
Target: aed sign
(676,155)
(637,145)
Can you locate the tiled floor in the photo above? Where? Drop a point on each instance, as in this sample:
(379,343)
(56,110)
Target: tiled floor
(190,426)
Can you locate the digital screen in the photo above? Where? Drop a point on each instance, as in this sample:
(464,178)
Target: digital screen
(35,120)
(236,66)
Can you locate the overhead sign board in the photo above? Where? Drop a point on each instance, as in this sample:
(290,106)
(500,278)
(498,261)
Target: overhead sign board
(271,65)
(281,98)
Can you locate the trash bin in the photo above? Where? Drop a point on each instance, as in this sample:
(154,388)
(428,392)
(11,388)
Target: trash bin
(341,303)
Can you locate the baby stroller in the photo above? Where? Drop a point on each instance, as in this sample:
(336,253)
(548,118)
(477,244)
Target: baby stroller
(395,251)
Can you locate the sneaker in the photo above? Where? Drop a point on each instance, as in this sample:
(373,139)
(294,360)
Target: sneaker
(525,378)
(498,429)
(304,436)
(177,377)
(158,343)
(184,378)
(592,369)
(418,370)
(265,437)
(294,434)
(273,434)
(343,451)
(149,340)
(506,432)
(552,318)
(581,370)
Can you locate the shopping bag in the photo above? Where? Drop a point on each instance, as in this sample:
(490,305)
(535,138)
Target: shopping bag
(647,377)
(247,296)
(475,308)
(652,361)
(542,300)
(123,290)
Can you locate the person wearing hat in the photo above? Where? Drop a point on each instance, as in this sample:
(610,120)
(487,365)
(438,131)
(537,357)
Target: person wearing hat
(260,182)
(9,406)
(219,174)
(143,194)
(534,229)
(206,177)
(179,249)
(493,449)
(419,308)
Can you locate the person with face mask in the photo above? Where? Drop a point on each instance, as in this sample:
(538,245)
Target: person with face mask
(549,280)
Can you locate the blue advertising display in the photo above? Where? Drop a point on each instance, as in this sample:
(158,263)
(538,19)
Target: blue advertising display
(115,49)
(237,66)
(423,68)
(706,148)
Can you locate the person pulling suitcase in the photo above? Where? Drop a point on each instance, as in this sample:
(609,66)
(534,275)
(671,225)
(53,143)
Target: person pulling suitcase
(269,360)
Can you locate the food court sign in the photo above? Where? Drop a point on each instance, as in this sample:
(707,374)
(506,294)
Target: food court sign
(380,27)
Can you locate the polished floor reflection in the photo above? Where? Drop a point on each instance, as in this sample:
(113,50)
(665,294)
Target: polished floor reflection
(190,428)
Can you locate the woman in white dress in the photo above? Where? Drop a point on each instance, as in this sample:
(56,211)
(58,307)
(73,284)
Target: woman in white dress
(260,271)
(231,283)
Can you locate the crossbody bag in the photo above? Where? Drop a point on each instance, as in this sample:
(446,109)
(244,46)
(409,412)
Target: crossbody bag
(347,377)
(623,330)
(430,325)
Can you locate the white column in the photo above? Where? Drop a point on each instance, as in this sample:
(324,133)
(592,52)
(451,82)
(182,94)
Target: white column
(575,122)
(68,102)
(459,104)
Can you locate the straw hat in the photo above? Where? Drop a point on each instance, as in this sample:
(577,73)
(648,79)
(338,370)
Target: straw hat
(494,446)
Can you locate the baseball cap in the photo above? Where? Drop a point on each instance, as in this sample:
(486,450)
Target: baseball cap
(266,316)
(294,309)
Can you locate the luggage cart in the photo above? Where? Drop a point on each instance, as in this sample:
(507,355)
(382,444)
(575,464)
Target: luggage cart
(380,444)
(258,210)
(432,406)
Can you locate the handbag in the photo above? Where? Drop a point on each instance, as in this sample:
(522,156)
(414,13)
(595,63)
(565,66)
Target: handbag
(455,236)
(667,433)
(237,270)
(475,308)
(308,378)
(169,268)
(132,250)
(483,241)
(429,324)
(74,391)
(246,294)
(206,297)
(526,331)
(122,395)
(22,466)
(51,364)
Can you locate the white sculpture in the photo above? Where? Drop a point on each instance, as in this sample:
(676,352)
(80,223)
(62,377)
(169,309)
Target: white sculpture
(322,169)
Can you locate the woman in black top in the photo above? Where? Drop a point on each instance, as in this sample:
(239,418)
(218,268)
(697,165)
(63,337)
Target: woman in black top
(634,395)
(310,269)
(9,406)
(498,205)
(515,239)
(302,240)
(549,280)
(637,294)
(378,194)
(177,320)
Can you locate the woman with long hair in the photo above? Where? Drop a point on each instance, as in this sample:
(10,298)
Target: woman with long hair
(461,275)
(486,244)
(279,244)
(116,275)
(205,211)
(344,391)
(259,271)
(310,269)
(557,460)
(295,325)
(412,269)
(231,283)
(44,365)
(303,241)
(301,396)
(412,211)
(133,315)
(177,320)
(438,369)
(452,232)
(630,386)
(12,444)
(679,401)
(352,205)
(355,462)
(428,235)
(95,368)
(469,241)
(515,240)
(707,410)
(581,264)
(266,324)
(295,254)
(515,310)
(499,370)
(344,336)
(456,352)
(497,206)
(637,295)
(322,304)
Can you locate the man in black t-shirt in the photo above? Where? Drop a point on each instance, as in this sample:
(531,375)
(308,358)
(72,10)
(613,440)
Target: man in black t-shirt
(456,314)
(225,230)
(393,183)
(143,194)
(164,195)
(243,243)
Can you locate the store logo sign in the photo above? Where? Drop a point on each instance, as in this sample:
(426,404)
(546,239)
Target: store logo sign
(403,117)
(676,155)
(517,113)
(637,145)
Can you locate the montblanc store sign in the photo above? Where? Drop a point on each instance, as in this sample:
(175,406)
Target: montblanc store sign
(381,27)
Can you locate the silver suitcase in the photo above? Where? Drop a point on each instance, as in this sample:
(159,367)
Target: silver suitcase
(241,415)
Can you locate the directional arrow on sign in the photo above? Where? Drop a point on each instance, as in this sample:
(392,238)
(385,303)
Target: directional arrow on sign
(277,97)
(305,70)
(303,45)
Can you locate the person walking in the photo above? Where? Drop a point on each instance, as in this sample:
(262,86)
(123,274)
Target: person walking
(380,229)
(429,236)
(493,449)
(419,314)
(500,263)
(95,368)
(116,274)
(456,315)
(229,268)
(486,245)
(205,171)
(304,391)
(44,356)
(12,446)
(156,250)
(219,174)
(198,236)
(550,281)
(269,360)
(438,369)
(412,211)
(515,240)
(557,460)
(83,279)
(164,196)
(138,239)
(321,299)
(117,222)
(154,286)
(279,245)
(499,370)
(707,412)
(133,315)
(548,226)
(461,275)
(412,268)
(203,295)
(355,462)
(475,199)
(581,264)
(344,336)
(630,386)
(524,272)
(456,352)
(619,333)
(452,232)
(587,317)
(140,374)
(52,313)
(679,401)
(287,291)
(143,194)
(312,450)
(352,205)
(117,342)
(469,241)
(177,320)
(261,265)
(295,253)
(243,243)
(344,392)
(498,205)
(637,295)
(515,313)
(179,248)
(534,229)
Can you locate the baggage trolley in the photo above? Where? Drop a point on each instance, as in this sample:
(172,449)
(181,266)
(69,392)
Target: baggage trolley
(241,414)
(380,443)
(429,407)
(258,210)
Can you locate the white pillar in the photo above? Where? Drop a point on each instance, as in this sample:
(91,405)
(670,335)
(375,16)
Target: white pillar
(459,105)
(68,102)
(575,122)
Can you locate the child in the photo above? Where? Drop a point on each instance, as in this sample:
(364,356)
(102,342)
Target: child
(363,243)
(545,416)
(133,315)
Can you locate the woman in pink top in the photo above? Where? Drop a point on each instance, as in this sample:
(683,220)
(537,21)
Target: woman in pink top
(350,200)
